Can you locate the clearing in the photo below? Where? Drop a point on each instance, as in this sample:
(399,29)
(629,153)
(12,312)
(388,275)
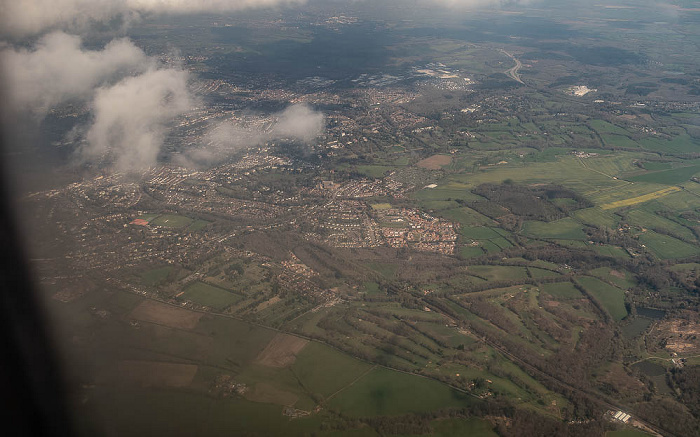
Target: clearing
(435,162)
(149,374)
(164,314)
(281,351)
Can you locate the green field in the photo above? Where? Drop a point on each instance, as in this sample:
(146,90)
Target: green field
(612,298)
(541,273)
(644,217)
(472,427)
(479,232)
(380,206)
(374,171)
(596,216)
(669,177)
(386,392)
(171,221)
(156,276)
(565,229)
(626,433)
(603,127)
(176,413)
(622,279)
(385,269)
(209,295)
(471,251)
(613,140)
(666,247)
(613,251)
(198,225)
(498,273)
(324,371)
(147,217)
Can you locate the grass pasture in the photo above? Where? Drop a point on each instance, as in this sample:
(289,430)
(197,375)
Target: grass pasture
(541,273)
(324,371)
(613,140)
(435,162)
(622,279)
(209,295)
(565,290)
(627,433)
(466,217)
(197,225)
(603,127)
(612,298)
(172,221)
(164,314)
(156,276)
(374,171)
(147,217)
(649,220)
(666,247)
(472,427)
(640,199)
(668,177)
(386,392)
(380,206)
(596,216)
(179,413)
(498,273)
(564,229)
(479,232)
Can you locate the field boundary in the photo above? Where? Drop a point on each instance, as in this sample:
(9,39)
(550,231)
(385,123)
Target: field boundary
(640,199)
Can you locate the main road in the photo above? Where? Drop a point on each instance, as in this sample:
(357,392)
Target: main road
(513,72)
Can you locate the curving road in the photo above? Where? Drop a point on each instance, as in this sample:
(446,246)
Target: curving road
(513,72)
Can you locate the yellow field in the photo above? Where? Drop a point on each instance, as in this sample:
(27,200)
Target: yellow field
(640,199)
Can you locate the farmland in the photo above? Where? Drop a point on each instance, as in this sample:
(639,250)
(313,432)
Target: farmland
(208,295)
(612,298)
(381,392)
(489,226)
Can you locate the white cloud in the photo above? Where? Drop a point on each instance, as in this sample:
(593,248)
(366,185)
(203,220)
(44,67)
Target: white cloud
(131,118)
(189,6)
(28,17)
(297,122)
(131,100)
(59,69)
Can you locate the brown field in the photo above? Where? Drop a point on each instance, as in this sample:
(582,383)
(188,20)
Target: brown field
(267,303)
(149,374)
(264,392)
(164,314)
(683,336)
(618,378)
(281,351)
(617,274)
(435,162)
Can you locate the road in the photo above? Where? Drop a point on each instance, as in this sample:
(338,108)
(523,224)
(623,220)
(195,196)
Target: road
(513,72)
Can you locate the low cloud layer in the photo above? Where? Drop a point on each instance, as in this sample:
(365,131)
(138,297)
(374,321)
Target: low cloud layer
(132,102)
(297,122)
(58,69)
(132,116)
(28,17)
(131,99)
